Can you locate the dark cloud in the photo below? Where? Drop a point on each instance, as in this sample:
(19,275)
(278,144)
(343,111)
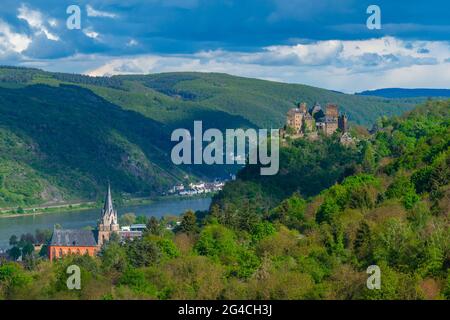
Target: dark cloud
(187,26)
(423,51)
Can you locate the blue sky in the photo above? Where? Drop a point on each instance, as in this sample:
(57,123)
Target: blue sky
(323,43)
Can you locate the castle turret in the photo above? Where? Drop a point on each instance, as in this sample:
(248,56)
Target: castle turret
(343,123)
(332,111)
(303,108)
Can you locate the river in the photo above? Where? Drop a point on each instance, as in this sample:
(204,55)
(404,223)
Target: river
(80,219)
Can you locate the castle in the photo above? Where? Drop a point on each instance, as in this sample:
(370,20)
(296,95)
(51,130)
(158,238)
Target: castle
(303,122)
(81,242)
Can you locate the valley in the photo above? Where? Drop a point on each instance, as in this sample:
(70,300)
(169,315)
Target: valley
(63,136)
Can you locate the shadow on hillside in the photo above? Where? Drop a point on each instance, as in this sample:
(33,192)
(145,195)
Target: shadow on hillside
(84,140)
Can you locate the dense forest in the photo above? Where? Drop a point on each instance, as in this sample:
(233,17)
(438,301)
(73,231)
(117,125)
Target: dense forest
(310,232)
(406,93)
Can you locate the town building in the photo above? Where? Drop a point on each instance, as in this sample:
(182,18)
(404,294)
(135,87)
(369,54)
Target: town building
(127,235)
(132,232)
(197,188)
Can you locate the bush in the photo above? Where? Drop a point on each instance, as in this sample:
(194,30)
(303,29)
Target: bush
(220,244)
(290,212)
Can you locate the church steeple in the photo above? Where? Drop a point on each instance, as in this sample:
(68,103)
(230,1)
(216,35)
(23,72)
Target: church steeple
(109,215)
(108,222)
(108,206)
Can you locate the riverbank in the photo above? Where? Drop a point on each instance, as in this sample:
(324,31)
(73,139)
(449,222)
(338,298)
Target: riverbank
(89,218)
(88,205)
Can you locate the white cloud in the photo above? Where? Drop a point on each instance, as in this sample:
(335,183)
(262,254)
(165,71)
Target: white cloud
(347,66)
(132,43)
(11,41)
(89,32)
(36,21)
(356,56)
(53,22)
(91,12)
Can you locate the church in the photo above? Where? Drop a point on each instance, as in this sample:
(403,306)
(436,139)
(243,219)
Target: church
(81,242)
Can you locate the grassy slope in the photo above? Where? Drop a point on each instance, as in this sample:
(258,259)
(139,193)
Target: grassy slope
(263,103)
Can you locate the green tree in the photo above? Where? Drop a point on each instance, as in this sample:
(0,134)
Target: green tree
(168,249)
(28,249)
(291,211)
(13,240)
(127,219)
(402,188)
(141,220)
(262,230)
(14,253)
(220,244)
(43,236)
(154,226)
(327,210)
(135,278)
(142,252)
(188,222)
(114,257)
(12,277)
(363,242)
(368,163)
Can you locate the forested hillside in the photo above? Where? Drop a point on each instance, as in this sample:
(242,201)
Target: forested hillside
(384,201)
(62,136)
(406,93)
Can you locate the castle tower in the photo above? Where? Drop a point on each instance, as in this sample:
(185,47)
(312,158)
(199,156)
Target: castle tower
(294,119)
(303,107)
(308,123)
(332,111)
(343,123)
(108,222)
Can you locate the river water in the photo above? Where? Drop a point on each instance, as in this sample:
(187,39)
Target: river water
(80,219)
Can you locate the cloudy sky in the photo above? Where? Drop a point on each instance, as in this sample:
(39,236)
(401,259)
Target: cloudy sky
(324,43)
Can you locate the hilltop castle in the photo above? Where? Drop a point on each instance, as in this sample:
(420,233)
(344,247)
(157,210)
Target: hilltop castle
(303,122)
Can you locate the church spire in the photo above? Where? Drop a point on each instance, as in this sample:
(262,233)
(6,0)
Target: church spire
(108,222)
(109,215)
(108,206)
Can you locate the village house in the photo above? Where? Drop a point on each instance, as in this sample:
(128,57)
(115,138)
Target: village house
(197,188)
